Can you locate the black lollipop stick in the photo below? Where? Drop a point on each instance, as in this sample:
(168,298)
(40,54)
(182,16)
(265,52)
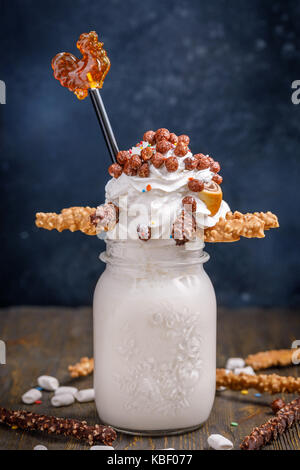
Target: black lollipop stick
(104,123)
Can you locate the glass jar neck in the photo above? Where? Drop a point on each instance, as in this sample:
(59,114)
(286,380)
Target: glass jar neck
(153,252)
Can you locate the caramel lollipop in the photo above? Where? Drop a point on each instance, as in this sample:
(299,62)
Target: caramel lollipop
(79,75)
(86,76)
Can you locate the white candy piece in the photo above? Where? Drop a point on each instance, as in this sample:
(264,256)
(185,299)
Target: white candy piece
(62,399)
(62,390)
(48,383)
(102,448)
(218,442)
(234,362)
(40,447)
(31,396)
(244,370)
(221,389)
(86,395)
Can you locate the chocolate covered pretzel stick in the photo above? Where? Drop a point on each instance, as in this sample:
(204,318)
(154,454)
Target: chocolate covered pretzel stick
(51,425)
(274,427)
(274,358)
(272,383)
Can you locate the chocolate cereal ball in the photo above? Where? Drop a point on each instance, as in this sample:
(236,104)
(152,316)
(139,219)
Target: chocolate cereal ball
(195,185)
(149,137)
(171,164)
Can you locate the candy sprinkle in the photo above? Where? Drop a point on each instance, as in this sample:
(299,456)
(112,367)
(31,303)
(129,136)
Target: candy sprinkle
(257,395)
(38,402)
(244,392)
(143,190)
(149,187)
(39,388)
(171,236)
(14,427)
(233,423)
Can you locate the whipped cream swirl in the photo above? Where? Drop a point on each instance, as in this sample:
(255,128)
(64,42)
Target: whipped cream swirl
(156,201)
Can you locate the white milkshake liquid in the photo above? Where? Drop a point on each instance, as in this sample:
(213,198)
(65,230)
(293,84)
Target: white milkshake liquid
(154,338)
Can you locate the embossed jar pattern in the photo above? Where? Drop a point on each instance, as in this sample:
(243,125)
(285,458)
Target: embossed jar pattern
(154,338)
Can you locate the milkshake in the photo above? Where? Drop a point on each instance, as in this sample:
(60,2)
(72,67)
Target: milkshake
(154,338)
(154,305)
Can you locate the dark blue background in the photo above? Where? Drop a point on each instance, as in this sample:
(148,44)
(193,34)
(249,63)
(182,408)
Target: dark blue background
(220,71)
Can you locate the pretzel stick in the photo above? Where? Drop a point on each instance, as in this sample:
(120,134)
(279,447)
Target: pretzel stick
(272,383)
(234,226)
(52,425)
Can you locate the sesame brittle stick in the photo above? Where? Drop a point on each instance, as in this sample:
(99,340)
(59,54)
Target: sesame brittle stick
(51,425)
(272,383)
(285,418)
(273,358)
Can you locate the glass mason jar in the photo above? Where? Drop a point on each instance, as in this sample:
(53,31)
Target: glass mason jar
(154,338)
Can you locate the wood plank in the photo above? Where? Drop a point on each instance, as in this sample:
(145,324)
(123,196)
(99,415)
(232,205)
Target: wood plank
(46,340)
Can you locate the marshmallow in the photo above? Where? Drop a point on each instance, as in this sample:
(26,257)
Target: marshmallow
(48,383)
(102,448)
(62,399)
(218,442)
(244,370)
(63,390)
(40,447)
(234,362)
(31,396)
(86,395)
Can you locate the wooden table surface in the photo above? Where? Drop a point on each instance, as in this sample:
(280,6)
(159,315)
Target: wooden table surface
(46,340)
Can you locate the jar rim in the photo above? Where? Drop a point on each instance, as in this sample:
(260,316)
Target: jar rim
(140,253)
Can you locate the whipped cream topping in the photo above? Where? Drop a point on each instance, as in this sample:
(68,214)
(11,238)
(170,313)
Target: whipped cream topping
(156,201)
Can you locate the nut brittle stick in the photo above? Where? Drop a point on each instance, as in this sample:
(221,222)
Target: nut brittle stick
(273,358)
(82,368)
(274,427)
(272,383)
(73,219)
(264,383)
(51,425)
(230,229)
(86,219)
(236,225)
